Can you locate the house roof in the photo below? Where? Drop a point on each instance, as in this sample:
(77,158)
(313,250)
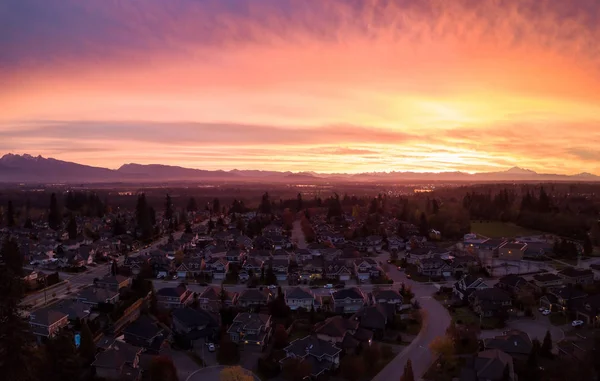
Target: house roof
(116,356)
(572,272)
(144,327)
(546,277)
(336,326)
(213,293)
(96,295)
(372,317)
(192,318)
(298,293)
(512,280)
(386,294)
(246,320)
(568,293)
(352,293)
(313,346)
(254,294)
(490,364)
(491,295)
(47,316)
(174,292)
(513,342)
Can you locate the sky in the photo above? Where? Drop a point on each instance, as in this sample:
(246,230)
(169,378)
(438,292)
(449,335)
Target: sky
(304,85)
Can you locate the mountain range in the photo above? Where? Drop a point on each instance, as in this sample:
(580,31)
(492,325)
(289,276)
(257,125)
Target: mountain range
(39,170)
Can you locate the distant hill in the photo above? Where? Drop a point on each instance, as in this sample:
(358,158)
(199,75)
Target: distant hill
(30,169)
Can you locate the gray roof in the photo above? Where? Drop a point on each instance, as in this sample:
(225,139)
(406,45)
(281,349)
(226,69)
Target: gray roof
(47,316)
(298,293)
(116,356)
(175,292)
(192,318)
(352,293)
(144,327)
(386,294)
(336,326)
(313,346)
(513,342)
(490,364)
(96,295)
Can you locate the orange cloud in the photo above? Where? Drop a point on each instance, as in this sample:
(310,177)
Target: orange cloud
(324,86)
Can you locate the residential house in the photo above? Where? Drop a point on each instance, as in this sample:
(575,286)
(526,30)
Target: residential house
(280,267)
(253,297)
(217,267)
(387,296)
(297,297)
(466,285)
(95,296)
(303,255)
(344,333)
(189,268)
(196,324)
(434,267)
(512,283)
(462,265)
(119,362)
(47,322)
(577,348)
(252,266)
(546,281)
(374,243)
(113,282)
(250,329)
(572,275)
(244,242)
(589,310)
(320,355)
(490,302)
(312,269)
(418,254)
(235,256)
(365,268)
(348,300)
(375,318)
(174,297)
(144,333)
(566,298)
(337,270)
(489,365)
(211,298)
(395,243)
(512,251)
(516,343)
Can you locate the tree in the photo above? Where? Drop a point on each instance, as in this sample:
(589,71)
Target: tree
(162,369)
(443,347)
(435,207)
(87,347)
(16,363)
(61,359)
(265,206)
(191,205)
(532,359)
(372,355)
(168,208)
(72,228)
(423,225)
(299,203)
(296,369)
(352,367)
(587,246)
(235,373)
(143,215)
(408,374)
(546,349)
(54,215)
(280,337)
(228,353)
(216,206)
(270,277)
(10,215)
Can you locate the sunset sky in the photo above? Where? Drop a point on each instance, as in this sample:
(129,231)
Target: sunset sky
(306,85)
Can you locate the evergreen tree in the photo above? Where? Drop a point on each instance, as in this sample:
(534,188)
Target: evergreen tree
(61,359)
(16,351)
(216,205)
(72,228)
(435,207)
(54,215)
(408,374)
(265,204)
(10,215)
(192,206)
(168,208)
(299,203)
(546,349)
(143,215)
(423,225)
(87,347)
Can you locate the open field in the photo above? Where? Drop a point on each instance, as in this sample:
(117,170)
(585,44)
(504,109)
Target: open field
(496,229)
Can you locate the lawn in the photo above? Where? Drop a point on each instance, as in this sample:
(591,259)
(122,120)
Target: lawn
(464,316)
(496,229)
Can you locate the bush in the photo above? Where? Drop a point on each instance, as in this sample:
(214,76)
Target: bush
(268,368)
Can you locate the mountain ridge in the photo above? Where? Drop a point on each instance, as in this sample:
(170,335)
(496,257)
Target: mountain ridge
(37,169)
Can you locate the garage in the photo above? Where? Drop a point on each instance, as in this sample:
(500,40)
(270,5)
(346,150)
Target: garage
(345,277)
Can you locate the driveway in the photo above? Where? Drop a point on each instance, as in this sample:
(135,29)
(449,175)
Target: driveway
(535,328)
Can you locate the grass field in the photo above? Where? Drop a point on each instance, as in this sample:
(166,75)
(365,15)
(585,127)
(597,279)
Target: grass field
(496,229)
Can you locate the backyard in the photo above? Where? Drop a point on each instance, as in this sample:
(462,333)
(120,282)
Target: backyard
(463,315)
(497,229)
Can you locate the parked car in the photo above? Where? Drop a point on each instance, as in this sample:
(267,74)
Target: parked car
(542,309)
(160,276)
(546,312)
(272,287)
(400,268)
(329,285)
(211,347)
(577,323)
(175,277)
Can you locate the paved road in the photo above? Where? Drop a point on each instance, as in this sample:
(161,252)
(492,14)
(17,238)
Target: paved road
(435,321)
(298,235)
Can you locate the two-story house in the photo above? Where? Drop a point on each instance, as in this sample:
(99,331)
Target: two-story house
(512,283)
(374,243)
(348,300)
(546,281)
(344,333)
(589,310)
(189,268)
(196,324)
(297,297)
(280,267)
(572,275)
(217,267)
(47,322)
(418,254)
(395,243)
(390,297)
(433,267)
(490,302)
(144,333)
(320,355)
(120,361)
(466,285)
(337,270)
(214,298)
(566,298)
(250,329)
(365,268)
(113,282)
(253,298)
(174,297)
(95,296)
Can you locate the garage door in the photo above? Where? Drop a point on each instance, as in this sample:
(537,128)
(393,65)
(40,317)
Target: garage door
(344,277)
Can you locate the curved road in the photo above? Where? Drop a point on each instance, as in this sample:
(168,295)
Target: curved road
(436,320)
